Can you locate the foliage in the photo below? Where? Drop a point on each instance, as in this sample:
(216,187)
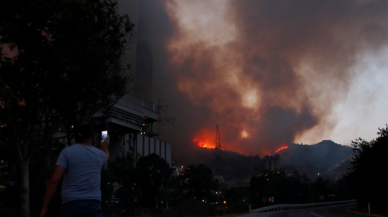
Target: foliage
(41,167)
(320,187)
(106,185)
(123,172)
(60,61)
(284,189)
(297,188)
(237,202)
(9,191)
(198,181)
(367,178)
(152,176)
(340,190)
(68,67)
(143,185)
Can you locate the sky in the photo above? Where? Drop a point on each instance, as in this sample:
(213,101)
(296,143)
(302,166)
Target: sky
(268,73)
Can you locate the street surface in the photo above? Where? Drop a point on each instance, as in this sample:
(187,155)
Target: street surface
(328,211)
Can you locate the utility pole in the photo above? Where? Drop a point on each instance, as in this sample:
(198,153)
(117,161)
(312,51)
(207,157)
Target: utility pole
(163,120)
(219,161)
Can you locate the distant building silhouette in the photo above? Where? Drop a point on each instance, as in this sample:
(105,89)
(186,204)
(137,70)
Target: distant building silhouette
(144,36)
(271,162)
(130,123)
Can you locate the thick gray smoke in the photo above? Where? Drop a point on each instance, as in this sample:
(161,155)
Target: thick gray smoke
(264,71)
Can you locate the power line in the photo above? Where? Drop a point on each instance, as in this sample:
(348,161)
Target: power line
(219,161)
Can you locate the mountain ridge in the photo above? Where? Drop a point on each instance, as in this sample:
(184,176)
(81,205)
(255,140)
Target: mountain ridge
(323,157)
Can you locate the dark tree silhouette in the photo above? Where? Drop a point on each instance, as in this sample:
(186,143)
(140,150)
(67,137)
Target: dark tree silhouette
(367,179)
(152,176)
(198,181)
(122,171)
(60,60)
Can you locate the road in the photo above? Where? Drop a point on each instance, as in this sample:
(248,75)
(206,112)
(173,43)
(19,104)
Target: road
(328,211)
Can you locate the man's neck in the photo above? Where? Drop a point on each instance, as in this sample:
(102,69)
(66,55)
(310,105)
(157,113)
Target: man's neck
(86,143)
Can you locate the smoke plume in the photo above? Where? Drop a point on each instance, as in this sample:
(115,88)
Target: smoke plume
(264,71)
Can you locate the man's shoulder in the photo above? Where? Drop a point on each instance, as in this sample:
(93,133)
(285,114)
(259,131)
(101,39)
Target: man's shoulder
(77,146)
(81,150)
(96,149)
(65,149)
(73,146)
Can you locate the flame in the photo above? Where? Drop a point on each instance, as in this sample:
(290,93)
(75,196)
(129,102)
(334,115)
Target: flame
(204,138)
(284,147)
(201,144)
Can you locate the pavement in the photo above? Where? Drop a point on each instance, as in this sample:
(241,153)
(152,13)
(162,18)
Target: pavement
(327,211)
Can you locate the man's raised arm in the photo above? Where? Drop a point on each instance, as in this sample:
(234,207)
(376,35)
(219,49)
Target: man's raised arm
(105,147)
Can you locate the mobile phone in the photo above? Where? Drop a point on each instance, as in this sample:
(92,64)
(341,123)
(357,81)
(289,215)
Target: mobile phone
(104,134)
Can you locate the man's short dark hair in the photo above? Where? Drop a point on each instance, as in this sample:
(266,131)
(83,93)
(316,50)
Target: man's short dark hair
(82,130)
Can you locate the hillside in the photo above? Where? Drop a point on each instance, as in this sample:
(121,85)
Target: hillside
(329,159)
(323,158)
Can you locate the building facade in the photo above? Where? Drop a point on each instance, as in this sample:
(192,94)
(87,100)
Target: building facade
(130,125)
(131,121)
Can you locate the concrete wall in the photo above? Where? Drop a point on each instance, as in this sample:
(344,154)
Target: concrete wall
(146,145)
(143,145)
(157,147)
(168,153)
(152,145)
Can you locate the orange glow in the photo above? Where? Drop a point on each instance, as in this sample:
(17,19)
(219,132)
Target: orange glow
(266,152)
(244,134)
(201,144)
(284,147)
(205,138)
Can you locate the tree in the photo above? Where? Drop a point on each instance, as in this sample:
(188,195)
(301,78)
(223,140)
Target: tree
(152,177)
(340,190)
(124,173)
(198,181)
(285,189)
(367,179)
(320,188)
(60,61)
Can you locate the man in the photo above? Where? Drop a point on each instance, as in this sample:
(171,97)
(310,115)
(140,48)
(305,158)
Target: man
(80,164)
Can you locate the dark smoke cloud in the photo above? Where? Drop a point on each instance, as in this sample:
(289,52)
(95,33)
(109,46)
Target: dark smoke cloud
(286,65)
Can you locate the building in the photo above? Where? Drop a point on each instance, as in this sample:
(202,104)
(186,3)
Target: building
(131,122)
(130,126)
(271,162)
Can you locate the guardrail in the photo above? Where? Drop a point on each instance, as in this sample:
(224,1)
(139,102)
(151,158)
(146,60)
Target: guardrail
(282,207)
